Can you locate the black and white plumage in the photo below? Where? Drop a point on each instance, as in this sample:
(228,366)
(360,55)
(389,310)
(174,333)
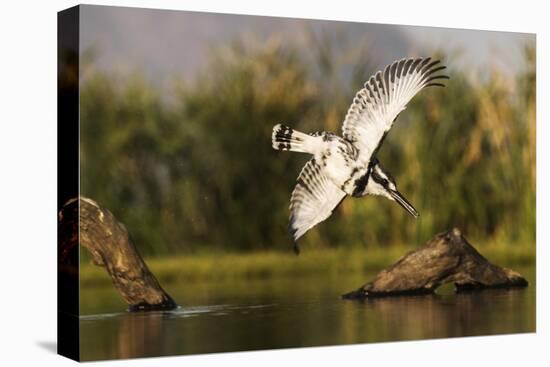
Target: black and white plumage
(346,165)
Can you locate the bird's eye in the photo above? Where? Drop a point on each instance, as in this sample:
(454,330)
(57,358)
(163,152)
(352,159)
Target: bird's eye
(385,182)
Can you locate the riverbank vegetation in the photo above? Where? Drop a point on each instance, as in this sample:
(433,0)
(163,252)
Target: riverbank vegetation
(223,266)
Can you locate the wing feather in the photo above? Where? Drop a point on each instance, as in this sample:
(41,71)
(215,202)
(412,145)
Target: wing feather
(383,97)
(313,199)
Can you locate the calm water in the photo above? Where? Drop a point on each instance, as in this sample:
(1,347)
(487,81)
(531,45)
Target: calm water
(287,313)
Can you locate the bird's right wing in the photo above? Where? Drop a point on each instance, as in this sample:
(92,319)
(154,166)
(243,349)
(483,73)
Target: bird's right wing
(376,106)
(313,199)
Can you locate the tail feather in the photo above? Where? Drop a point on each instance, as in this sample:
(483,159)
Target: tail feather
(286,138)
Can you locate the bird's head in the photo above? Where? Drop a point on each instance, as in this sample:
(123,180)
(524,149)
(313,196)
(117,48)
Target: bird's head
(382,183)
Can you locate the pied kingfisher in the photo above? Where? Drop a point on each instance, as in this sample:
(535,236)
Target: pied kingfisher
(347,165)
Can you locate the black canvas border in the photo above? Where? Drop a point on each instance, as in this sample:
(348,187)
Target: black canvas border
(68,59)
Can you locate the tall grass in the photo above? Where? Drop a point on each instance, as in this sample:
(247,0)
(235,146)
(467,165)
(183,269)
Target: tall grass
(223,266)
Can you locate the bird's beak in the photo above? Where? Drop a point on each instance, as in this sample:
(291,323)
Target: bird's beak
(404,202)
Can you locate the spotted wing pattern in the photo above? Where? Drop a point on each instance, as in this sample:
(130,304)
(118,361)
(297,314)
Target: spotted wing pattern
(377,105)
(313,199)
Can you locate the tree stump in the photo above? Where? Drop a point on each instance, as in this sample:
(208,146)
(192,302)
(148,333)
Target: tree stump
(447,258)
(108,242)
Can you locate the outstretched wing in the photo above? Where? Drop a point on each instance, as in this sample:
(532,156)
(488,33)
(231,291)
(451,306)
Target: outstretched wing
(313,199)
(383,97)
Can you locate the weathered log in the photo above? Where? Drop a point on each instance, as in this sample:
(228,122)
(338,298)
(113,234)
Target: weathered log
(110,246)
(447,258)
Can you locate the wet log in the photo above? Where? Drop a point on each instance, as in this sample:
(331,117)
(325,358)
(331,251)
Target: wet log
(111,247)
(447,258)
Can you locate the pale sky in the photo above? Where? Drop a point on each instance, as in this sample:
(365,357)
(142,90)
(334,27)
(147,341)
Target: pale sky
(166,44)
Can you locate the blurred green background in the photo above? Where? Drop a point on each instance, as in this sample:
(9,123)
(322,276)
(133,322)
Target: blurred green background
(198,171)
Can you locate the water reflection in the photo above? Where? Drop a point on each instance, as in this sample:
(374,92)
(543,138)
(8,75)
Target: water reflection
(435,316)
(299,313)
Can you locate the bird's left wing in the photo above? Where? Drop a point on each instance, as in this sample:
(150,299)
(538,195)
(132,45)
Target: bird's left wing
(383,97)
(313,199)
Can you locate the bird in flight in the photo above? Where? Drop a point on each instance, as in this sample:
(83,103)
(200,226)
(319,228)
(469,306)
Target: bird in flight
(347,165)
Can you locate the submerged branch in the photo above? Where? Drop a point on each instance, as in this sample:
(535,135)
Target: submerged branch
(447,258)
(110,246)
